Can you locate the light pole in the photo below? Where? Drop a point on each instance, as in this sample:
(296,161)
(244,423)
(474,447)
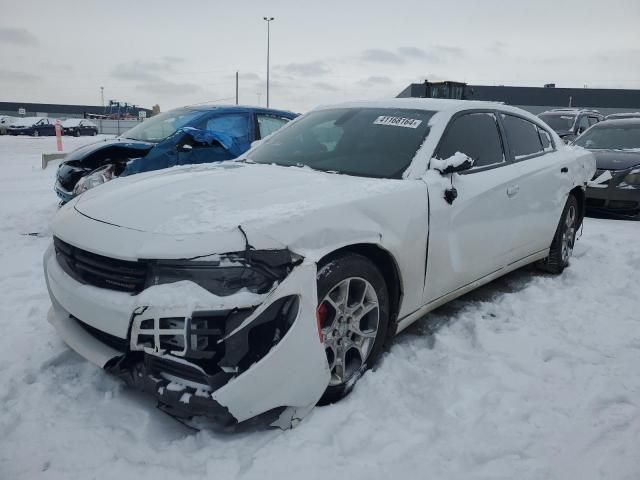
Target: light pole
(268,20)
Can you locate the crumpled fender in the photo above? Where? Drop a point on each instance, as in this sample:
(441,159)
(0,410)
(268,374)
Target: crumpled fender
(295,372)
(94,153)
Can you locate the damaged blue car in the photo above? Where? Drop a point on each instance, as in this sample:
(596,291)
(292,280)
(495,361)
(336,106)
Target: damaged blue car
(188,135)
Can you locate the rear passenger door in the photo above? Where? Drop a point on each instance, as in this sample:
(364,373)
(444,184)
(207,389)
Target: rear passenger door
(543,183)
(471,237)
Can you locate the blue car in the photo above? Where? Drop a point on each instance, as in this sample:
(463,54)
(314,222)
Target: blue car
(187,135)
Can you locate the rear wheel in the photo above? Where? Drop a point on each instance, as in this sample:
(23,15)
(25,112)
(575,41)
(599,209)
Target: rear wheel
(563,240)
(77,134)
(36,133)
(353,315)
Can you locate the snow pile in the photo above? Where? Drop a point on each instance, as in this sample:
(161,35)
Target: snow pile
(531,377)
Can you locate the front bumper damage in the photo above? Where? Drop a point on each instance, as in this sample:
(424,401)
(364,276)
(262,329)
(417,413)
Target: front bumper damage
(612,194)
(227,358)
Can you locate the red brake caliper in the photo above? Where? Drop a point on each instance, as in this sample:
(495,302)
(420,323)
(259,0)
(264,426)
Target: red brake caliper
(321,317)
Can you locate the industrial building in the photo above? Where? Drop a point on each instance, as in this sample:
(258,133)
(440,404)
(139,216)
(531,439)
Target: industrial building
(115,110)
(532,99)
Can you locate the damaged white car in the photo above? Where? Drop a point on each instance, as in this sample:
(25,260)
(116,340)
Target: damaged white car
(262,286)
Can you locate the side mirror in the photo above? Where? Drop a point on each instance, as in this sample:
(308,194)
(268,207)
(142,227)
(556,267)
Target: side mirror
(184,148)
(459,162)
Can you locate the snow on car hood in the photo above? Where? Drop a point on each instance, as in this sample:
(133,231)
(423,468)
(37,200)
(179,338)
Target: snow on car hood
(286,204)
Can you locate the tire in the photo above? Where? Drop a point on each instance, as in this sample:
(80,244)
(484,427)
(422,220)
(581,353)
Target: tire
(36,133)
(563,240)
(350,334)
(77,133)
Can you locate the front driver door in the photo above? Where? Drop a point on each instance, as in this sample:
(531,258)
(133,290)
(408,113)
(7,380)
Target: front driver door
(471,237)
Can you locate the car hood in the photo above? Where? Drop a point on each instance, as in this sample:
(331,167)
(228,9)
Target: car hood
(104,147)
(616,159)
(275,206)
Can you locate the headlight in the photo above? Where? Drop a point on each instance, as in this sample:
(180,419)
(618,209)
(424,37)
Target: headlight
(220,278)
(632,178)
(95,178)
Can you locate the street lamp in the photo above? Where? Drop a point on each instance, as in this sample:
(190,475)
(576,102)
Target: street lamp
(268,20)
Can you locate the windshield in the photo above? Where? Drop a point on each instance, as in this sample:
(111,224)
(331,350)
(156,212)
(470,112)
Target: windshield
(367,142)
(611,137)
(161,126)
(559,122)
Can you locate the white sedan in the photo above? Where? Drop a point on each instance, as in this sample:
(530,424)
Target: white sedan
(262,286)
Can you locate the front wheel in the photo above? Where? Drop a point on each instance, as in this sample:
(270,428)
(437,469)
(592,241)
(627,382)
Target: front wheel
(563,240)
(353,315)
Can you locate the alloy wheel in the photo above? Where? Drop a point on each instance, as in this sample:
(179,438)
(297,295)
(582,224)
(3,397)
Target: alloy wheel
(349,317)
(568,235)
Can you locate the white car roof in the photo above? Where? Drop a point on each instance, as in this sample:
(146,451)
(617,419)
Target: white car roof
(446,107)
(432,104)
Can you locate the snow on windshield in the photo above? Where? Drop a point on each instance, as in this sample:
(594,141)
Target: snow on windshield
(163,125)
(26,121)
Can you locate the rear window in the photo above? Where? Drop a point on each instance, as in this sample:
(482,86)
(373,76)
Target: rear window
(558,121)
(522,136)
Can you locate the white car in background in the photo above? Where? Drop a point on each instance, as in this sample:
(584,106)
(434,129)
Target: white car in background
(265,285)
(5,122)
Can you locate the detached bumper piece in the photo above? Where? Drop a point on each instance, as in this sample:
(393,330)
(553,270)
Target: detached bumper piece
(176,399)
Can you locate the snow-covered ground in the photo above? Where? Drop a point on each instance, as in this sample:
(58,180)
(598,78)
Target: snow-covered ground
(531,377)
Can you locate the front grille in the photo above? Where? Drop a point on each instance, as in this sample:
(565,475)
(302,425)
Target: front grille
(595,202)
(623,204)
(99,271)
(117,343)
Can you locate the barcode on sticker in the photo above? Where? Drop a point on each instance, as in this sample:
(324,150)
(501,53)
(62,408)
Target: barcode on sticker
(397,121)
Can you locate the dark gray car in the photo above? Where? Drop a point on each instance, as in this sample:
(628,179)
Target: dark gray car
(616,145)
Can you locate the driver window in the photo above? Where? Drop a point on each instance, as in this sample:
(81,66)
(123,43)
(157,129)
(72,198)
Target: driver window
(234,125)
(477,136)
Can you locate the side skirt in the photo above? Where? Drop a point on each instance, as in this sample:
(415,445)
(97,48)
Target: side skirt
(421,312)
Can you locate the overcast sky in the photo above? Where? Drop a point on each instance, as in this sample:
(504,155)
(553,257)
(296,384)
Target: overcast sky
(176,53)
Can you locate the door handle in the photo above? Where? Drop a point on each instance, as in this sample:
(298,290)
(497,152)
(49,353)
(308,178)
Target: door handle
(564,170)
(513,190)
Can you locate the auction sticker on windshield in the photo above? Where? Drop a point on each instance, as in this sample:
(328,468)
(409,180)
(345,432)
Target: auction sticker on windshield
(397,121)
